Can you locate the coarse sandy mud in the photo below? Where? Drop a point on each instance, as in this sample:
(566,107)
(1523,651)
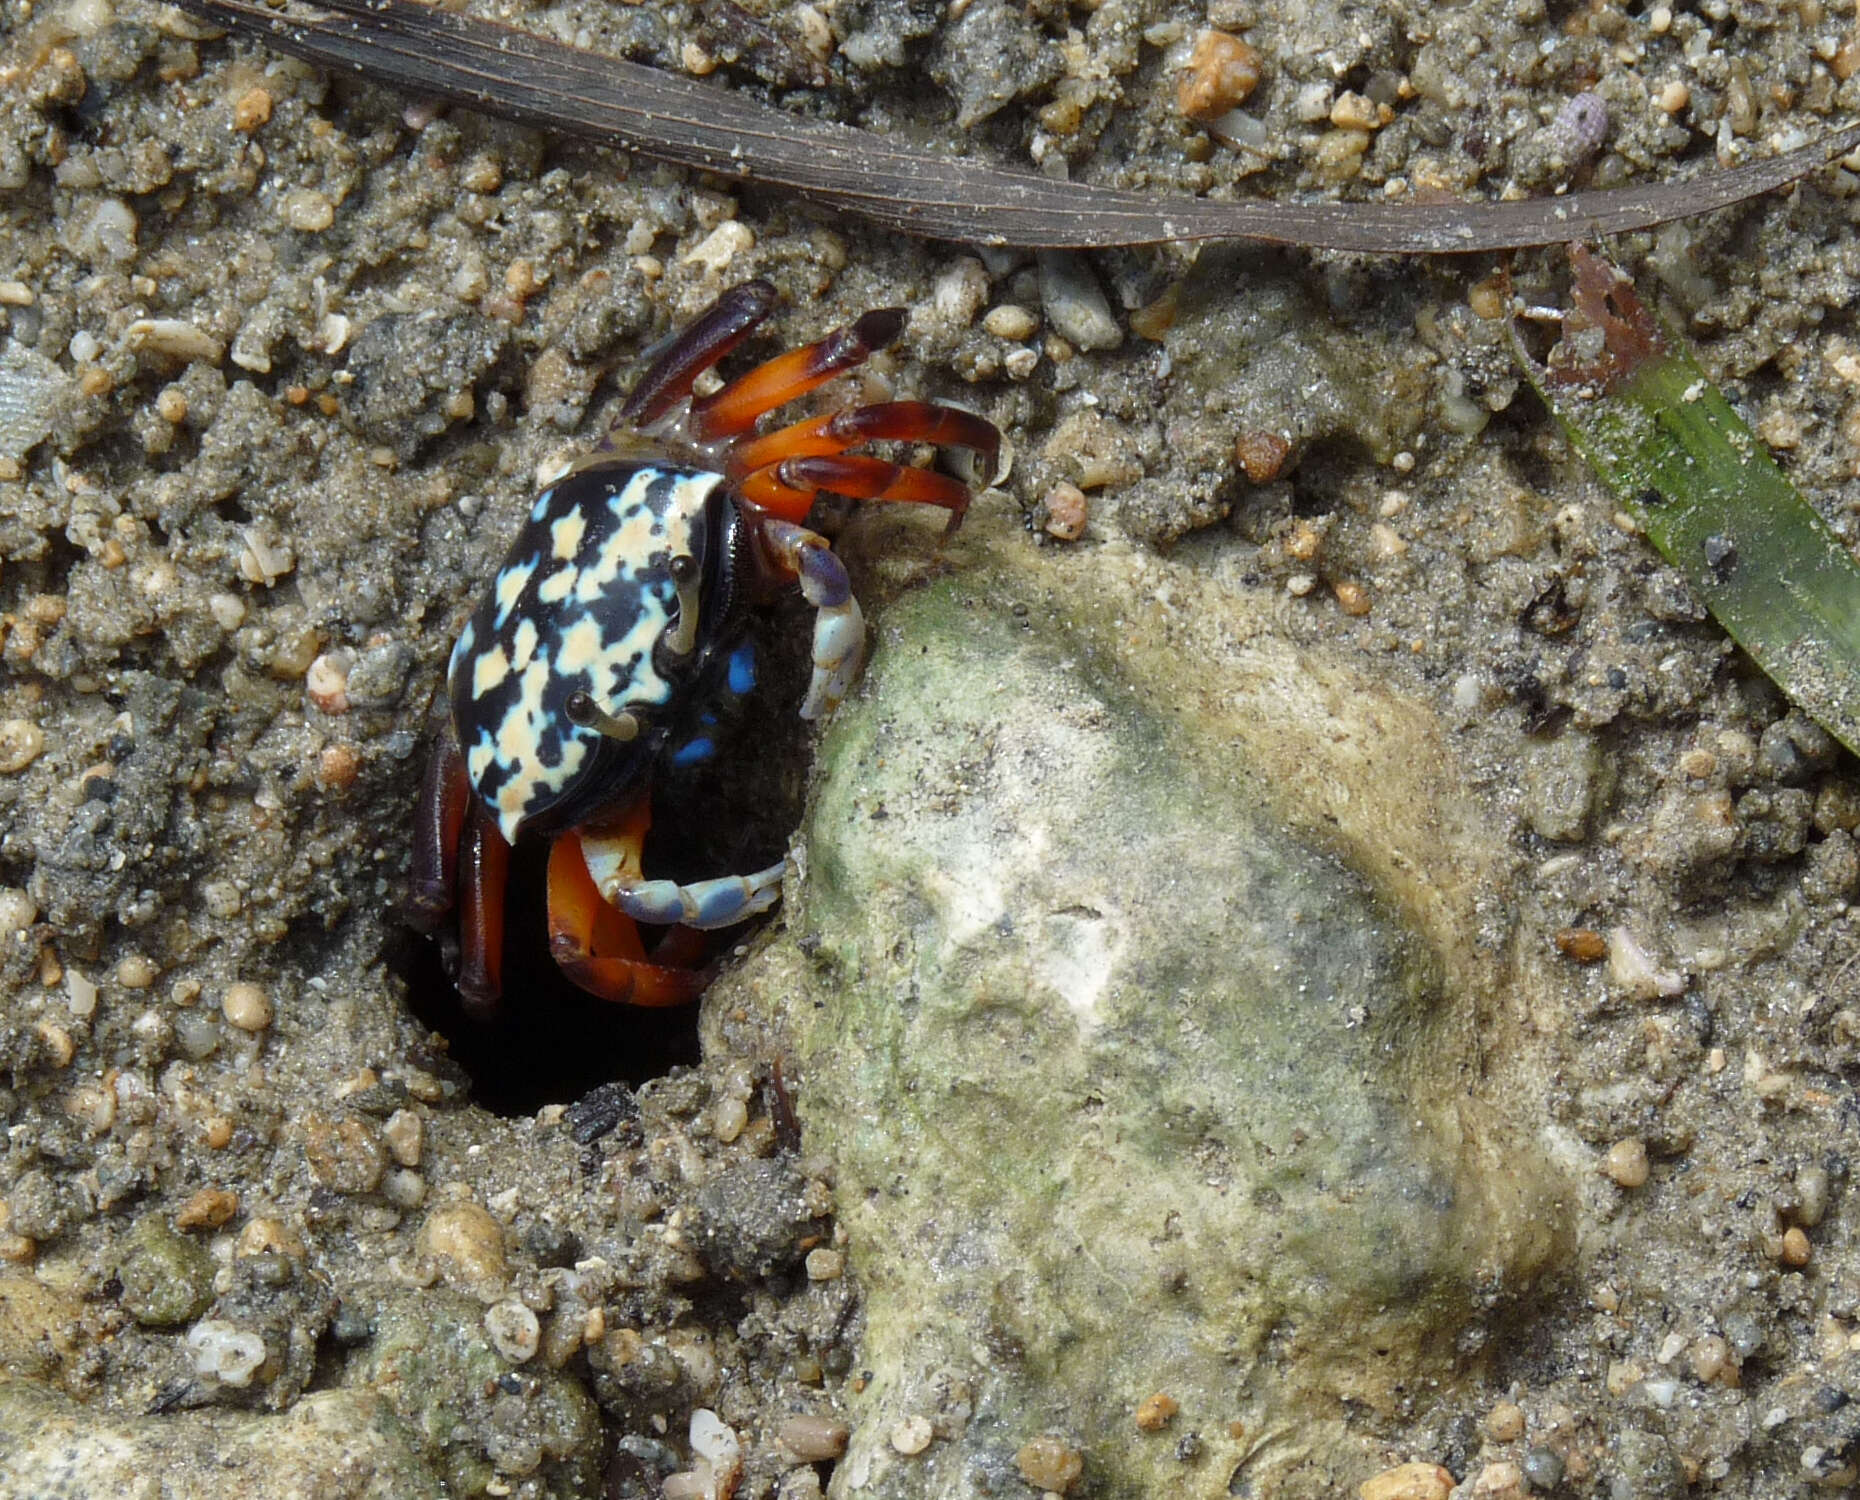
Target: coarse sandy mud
(281,359)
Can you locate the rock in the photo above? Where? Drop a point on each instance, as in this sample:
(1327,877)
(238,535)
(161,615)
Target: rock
(334,1445)
(166,1277)
(432,1358)
(1169,1085)
(1416,1481)
(39,1325)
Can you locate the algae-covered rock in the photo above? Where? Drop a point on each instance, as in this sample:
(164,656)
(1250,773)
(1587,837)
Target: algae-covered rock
(333,1445)
(1144,1053)
(432,1360)
(166,1278)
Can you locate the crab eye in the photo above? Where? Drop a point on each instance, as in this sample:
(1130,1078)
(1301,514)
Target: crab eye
(584,712)
(683,568)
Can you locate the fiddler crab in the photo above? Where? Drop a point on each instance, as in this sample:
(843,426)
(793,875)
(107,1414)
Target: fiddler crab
(616,626)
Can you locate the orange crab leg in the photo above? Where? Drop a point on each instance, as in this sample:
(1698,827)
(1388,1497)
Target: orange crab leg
(733,410)
(719,329)
(484,871)
(838,431)
(597,947)
(787,489)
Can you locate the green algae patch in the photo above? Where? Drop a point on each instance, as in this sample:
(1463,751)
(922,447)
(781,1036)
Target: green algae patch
(1133,1084)
(167,1279)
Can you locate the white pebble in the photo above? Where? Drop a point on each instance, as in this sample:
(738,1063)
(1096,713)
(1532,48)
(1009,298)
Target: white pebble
(18,911)
(727,1119)
(714,1441)
(961,289)
(721,246)
(225,1352)
(513,1330)
(911,1436)
(1631,969)
(80,994)
(176,338)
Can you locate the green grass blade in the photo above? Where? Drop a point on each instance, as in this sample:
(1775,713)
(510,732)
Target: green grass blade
(1708,494)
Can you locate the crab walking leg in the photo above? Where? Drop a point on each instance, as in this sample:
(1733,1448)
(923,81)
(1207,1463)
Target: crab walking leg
(597,947)
(611,858)
(439,821)
(484,871)
(787,489)
(718,329)
(839,627)
(897,421)
(733,410)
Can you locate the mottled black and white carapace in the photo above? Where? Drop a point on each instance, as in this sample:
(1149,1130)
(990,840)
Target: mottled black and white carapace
(586,603)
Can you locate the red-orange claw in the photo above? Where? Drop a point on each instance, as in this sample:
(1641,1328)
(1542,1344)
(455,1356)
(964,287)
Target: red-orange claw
(733,410)
(598,948)
(898,421)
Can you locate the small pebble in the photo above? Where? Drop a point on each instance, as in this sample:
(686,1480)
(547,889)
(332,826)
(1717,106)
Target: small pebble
(1011,321)
(251,110)
(1155,1412)
(727,1119)
(1583,944)
(721,246)
(466,1235)
(1499,1481)
(830,1265)
(1543,1468)
(1504,1423)
(1353,111)
(176,338)
(247,1006)
(18,911)
(961,290)
(136,971)
(403,1187)
(1067,511)
(1796,1248)
(912,1436)
(1222,72)
(80,994)
(405,1135)
(207,1208)
(1626,1163)
(1673,98)
(1811,1187)
(1711,1361)
(327,682)
(21,743)
(1076,307)
(1352,598)
(224,1352)
(813,1440)
(1413,1481)
(308,211)
(1050,1463)
(337,766)
(1261,454)
(513,1330)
